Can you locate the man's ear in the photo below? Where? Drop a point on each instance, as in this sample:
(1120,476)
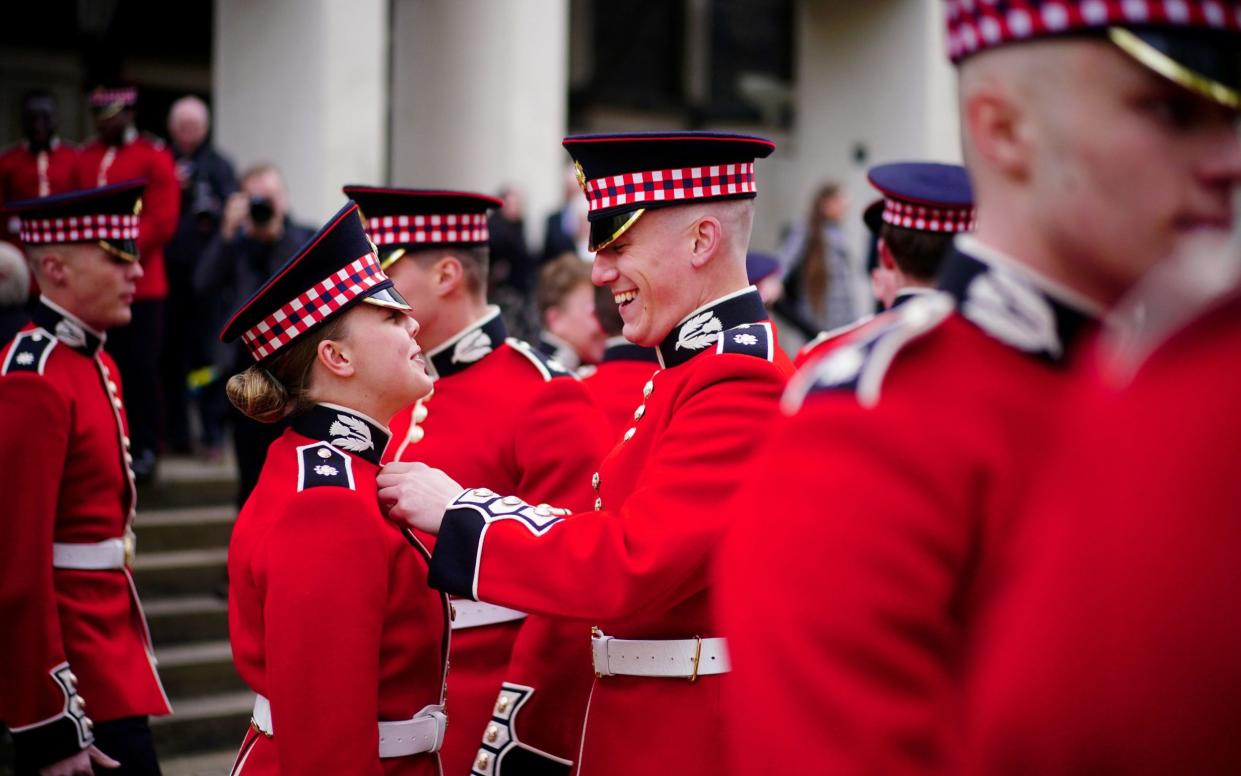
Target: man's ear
(51,267)
(335,358)
(447,274)
(706,237)
(998,129)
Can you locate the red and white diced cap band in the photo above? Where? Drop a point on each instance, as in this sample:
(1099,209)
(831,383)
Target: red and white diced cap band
(105,97)
(428,228)
(686,183)
(313,306)
(927,218)
(112,226)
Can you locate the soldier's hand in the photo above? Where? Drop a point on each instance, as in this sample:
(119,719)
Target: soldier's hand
(80,764)
(415,495)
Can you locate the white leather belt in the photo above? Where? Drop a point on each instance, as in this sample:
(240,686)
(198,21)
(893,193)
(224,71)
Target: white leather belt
(674,658)
(424,733)
(472,614)
(97,556)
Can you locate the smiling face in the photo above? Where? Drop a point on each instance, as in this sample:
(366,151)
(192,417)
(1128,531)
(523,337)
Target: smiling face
(650,272)
(388,368)
(1124,168)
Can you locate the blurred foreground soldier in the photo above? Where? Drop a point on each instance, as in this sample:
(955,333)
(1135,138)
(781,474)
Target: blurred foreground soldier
(119,152)
(924,205)
(670,221)
(76,632)
(14,291)
(1114,650)
(504,416)
(920,430)
(615,383)
(570,334)
(330,617)
(42,163)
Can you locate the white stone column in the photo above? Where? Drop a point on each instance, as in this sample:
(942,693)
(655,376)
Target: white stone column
(480,98)
(304,84)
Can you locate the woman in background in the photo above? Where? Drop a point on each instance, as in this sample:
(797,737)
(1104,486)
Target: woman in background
(818,267)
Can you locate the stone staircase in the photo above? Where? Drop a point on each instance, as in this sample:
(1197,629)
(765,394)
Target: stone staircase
(183,526)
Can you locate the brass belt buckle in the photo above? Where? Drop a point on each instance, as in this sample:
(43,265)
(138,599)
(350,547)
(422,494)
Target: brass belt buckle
(130,542)
(697,656)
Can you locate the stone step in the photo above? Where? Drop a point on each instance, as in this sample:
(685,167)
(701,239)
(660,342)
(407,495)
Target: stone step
(185,528)
(186,619)
(189,482)
(193,670)
(208,723)
(208,764)
(198,572)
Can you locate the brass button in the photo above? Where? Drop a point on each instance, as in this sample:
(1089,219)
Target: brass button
(420,412)
(543,510)
(493,733)
(639,412)
(324,452)
(416,433)
(483,492)
(483,761)
(629,434)
(594,481)
(648,389)
(502,704)
(598,504)
(511,501)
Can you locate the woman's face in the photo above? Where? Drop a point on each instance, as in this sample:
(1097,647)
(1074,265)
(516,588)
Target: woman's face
(833,207)
(388,368)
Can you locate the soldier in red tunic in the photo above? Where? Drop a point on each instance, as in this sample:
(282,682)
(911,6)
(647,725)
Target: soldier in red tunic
(923,205)
(42,164)
(120,152)
(910,446)
(615,383)
(74,628)
(330,617)
(670,218)
(1113,649)
(503,415)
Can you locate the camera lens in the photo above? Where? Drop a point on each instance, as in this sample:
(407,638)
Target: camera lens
(261,210)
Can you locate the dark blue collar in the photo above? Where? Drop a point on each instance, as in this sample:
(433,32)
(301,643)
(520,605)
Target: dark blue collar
(67,327)
(627,351)
(345,429)
(1009,303)
(701,329)
(469,347)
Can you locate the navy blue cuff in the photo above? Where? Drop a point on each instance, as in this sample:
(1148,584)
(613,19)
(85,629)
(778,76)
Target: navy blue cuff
(454,561)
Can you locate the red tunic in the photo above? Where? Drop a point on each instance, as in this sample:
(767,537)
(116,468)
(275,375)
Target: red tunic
(1115,648)
(330,616)
(884,491)
(141,156)
(638,565)
(25,174)
(616,383)
(64,471)
(504,416)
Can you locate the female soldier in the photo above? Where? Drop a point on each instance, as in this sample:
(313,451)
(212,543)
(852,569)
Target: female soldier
(330,617)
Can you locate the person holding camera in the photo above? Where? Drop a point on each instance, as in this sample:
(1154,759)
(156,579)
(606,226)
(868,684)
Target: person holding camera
(256,236)
(207,180)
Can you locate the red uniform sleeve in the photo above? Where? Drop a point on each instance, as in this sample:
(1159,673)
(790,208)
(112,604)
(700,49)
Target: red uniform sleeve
(161,203)
(37,691)
(325,594)
(837,608)
(653,552)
